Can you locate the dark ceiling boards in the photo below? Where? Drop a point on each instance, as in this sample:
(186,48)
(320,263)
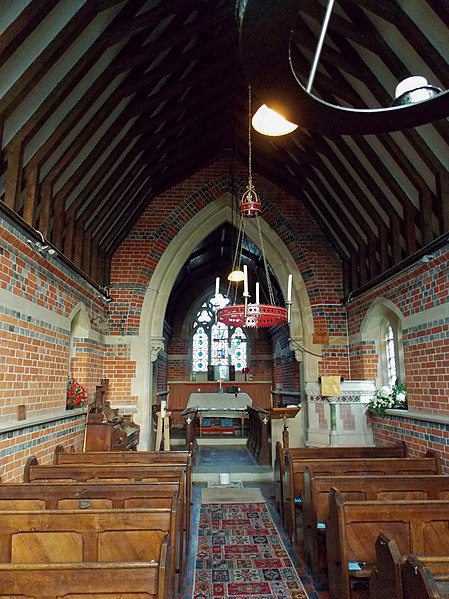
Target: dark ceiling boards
(105,104)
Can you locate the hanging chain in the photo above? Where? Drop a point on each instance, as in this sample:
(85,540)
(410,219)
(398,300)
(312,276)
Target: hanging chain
(250,172)
(237,260)
(265,263)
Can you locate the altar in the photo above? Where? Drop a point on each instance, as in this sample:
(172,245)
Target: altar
(220,405)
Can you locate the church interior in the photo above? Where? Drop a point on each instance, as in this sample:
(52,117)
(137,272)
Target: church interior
(224,351)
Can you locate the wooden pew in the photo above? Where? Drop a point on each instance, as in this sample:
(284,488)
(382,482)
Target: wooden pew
(61,456)
(308,453)
(425,577)
(315,505)
(398,576)
(294,475)
(115,472)
(102,495)
(47,496)
(86,536)
(418,526)
(108,580)
(386,577)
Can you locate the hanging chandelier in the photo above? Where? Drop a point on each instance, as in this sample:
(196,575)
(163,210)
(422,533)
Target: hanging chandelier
(247,313)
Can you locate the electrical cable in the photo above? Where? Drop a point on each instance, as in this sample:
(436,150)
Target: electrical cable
(304,349)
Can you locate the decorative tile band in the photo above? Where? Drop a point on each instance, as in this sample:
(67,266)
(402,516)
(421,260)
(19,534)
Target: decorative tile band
(50,434)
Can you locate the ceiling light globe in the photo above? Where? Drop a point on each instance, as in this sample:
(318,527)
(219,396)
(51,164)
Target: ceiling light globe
(409,84)
(236,276)
(270,122)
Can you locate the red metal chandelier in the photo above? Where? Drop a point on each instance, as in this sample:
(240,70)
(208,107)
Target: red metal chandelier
(247,314)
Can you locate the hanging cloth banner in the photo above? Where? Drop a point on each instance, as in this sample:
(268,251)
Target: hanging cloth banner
(330,386)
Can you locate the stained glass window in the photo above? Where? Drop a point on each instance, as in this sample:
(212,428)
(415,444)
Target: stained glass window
(216,344)
(200,350)
(238,349)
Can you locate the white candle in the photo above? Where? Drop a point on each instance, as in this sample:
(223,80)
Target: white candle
(217,286)
(245,279)
(289,288)
(257,293)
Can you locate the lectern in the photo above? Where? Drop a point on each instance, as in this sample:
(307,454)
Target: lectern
(284,414)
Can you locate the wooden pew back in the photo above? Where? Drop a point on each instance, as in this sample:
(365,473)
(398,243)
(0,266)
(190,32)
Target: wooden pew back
(294,475)
(104,495)
(353,526)
(308,453)
(61,456)
(425,577)
(49,536)
(102,472)
(315,506)
(141,580)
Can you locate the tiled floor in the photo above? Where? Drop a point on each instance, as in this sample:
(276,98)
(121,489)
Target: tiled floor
(237,459)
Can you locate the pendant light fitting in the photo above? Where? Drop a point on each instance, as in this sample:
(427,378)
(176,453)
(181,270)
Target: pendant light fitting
(246,314)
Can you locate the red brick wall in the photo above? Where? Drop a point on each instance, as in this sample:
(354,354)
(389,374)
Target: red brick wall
(34,353)
(426,356)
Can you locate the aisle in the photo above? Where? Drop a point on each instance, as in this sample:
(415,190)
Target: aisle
(240,554)
(223,457)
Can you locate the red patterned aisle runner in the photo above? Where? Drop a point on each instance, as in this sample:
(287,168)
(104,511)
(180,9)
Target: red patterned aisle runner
(240,554)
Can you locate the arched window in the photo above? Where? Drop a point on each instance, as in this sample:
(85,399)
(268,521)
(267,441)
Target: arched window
(217,345)
(383,325)
(390,354)
(391,367)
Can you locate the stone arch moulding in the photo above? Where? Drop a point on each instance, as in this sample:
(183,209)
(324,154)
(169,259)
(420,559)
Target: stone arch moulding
(377,312)
(164,277)
(79,321)
(193,232)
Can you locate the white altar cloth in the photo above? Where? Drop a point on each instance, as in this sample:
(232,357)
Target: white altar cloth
(220,405)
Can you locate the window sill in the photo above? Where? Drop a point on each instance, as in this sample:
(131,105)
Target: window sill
(425,416)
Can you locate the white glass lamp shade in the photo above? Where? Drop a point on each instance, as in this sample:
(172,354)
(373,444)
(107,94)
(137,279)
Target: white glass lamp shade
(409,84)
(236,276)
(414,89)
(270,122)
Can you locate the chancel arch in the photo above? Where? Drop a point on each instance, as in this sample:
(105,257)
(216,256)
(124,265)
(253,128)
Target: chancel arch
(164,276)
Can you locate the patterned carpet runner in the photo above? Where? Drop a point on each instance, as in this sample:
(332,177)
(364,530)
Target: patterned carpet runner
(240,554)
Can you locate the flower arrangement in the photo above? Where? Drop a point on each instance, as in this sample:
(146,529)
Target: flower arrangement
(76,393)
(388,397)
(246,372)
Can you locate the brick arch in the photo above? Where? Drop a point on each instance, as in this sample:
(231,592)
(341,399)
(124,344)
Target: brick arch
(189,236)
(196,200)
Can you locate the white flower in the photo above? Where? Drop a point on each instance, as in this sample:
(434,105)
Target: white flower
(388,397)
(400,397)
(384,392)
